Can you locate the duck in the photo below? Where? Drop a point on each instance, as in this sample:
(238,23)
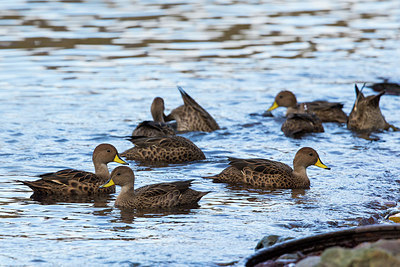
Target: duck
(298,124)
(269,174)
(366,116)
(326,111)
(390,88)
(171,149)
(156,127)
(154,196)
(191,116)
(72,182)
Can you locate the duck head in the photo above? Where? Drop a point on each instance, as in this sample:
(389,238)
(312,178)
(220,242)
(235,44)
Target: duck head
(121,176)
(284,99)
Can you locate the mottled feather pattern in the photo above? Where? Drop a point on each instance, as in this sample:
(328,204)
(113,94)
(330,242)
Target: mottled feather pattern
(264,173)
(69,182)
(174,149)
(191,116)
(260,173)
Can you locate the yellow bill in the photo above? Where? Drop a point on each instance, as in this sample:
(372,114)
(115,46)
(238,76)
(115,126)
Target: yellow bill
(108,184)
(395,218)
(119,160)
(321,165)
(274,106)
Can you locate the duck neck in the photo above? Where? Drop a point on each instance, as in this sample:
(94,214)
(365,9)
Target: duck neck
(159,117)
(294,108)
(126,192)
(101,170)
(300,174)
(158,114)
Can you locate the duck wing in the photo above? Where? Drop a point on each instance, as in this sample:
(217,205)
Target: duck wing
(262,166)
(66,175)
(322,105)
(160,189)
(165,142)
(191,103)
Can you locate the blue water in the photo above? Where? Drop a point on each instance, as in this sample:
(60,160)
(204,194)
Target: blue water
(74,74)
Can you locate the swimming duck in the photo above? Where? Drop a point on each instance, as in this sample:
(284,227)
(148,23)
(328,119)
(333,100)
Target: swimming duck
(172,149)
(191,116)
(389,87)
(76,182)
(326,111)
(155,196)
(298,124)
(270,174)
(157,127)
(366,116)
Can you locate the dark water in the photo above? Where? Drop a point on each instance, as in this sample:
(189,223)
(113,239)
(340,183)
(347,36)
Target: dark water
(74,74)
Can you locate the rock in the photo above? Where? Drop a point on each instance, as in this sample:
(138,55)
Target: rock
(309,261)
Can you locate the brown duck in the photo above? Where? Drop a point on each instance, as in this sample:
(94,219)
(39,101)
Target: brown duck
(366,116)
(155,196)
(191,116)
(76,182)
(270,174)
(298,124)
(157,127)
(172,149)
(326,111)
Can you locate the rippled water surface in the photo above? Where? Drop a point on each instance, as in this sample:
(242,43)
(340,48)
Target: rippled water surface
(74,74)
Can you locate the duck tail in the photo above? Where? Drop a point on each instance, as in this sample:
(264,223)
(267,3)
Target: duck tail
(36,187)
(202,194)
(211,177)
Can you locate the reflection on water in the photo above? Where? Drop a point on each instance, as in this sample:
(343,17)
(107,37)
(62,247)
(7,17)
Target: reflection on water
(74,74)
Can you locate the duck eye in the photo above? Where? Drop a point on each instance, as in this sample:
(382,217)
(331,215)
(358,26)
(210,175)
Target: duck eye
(108,150)
(118,173)
(311,154)
(280,96)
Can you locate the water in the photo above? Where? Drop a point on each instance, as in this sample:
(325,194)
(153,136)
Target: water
(74,74)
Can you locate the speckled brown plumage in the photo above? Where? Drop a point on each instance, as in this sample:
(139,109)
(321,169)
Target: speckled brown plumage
(191,116)
(157,127)
(298,124)
(326,111)
(79,183)
(366,115)
(155,196)
(173,149)
(270,174)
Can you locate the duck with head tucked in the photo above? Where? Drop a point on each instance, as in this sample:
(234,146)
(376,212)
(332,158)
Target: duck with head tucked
(172,149)
(264,173)
(366,115)
(191,116)
(326,111)
(71,182)
(157,127)
(298,124)
(155,196)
